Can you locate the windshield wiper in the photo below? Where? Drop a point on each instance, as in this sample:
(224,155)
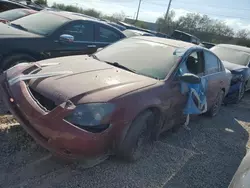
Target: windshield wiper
(120,66)
(19,26)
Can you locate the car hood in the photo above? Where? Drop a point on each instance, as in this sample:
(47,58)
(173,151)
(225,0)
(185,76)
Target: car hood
(87,76)
(7,31)
(233,67)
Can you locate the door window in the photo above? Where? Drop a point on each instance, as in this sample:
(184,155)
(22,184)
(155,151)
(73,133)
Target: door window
(194,64)
(80,31)
(105,34)
(212,64)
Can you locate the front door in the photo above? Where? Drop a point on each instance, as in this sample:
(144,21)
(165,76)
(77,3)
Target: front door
(193,62)
(83,33)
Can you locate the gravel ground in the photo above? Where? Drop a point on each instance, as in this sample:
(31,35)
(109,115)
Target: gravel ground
(205,157)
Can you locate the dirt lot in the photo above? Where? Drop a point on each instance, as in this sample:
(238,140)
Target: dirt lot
(205,157)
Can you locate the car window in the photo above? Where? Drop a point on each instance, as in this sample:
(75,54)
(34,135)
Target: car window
(159,64)
(181,36)
(105,34)
(14,14)
(211,63)
(4,6)
(48,22)
(194,64)
(81,31)
(231,55)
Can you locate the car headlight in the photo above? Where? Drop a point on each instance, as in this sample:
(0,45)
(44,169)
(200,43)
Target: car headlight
(90,115)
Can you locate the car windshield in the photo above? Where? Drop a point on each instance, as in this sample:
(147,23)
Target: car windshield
(231,55)
(42,23)
(13,14)
(145,57)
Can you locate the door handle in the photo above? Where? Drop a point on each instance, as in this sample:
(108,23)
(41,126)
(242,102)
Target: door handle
(91,46)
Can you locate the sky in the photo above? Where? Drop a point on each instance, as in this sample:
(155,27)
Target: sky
(233,13)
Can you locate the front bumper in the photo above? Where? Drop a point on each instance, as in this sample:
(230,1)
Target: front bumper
(50,130)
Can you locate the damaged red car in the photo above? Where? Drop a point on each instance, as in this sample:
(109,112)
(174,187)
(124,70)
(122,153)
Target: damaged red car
(112,102)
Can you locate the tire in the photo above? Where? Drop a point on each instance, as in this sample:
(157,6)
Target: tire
(15,59)
(214,110)
(138,140)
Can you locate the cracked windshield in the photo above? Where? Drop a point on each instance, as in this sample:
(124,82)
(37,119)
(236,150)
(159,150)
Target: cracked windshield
(128,93)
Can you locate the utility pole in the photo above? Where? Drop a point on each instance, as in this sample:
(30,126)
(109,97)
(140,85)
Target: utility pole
(138,11)
(166,15)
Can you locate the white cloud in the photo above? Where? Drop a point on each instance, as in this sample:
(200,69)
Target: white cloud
(237,24)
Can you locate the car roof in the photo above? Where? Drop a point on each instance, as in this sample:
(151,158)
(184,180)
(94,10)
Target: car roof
(76,16)
(235,47)
(168,42)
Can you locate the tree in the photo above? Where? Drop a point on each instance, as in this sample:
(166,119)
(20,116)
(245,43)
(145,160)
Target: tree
(69,8)
(92,12)
(140,24)
(41,2)
(168,25)
(244,34)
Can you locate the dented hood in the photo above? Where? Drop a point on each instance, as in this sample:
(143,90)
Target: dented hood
(87,76)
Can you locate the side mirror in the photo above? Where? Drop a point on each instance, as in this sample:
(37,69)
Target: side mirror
(65,38)
(99,49)
(190,78)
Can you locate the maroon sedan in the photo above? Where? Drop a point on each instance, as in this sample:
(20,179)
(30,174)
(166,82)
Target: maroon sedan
(14,14)
(113,101)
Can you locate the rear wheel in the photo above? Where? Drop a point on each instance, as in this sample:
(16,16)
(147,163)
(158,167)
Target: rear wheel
(138,140)
(214,110)
(15,59)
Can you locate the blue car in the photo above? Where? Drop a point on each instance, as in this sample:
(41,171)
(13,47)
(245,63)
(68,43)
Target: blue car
(237,60)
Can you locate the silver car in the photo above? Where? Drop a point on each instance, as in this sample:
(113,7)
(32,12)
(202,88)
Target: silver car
(241,178)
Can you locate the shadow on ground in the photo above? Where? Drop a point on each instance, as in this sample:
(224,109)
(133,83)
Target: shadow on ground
(205,157)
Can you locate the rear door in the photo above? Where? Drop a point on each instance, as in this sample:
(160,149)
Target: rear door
(83,33)
(215,76)
(105,35)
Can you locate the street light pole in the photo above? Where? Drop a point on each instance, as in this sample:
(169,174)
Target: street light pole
(166,15)
(138,10)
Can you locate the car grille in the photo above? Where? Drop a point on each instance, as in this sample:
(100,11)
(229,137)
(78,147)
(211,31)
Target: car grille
(45,103)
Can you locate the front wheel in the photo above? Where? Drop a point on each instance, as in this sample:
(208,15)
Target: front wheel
(214,110)
(15,59)
(137,141)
